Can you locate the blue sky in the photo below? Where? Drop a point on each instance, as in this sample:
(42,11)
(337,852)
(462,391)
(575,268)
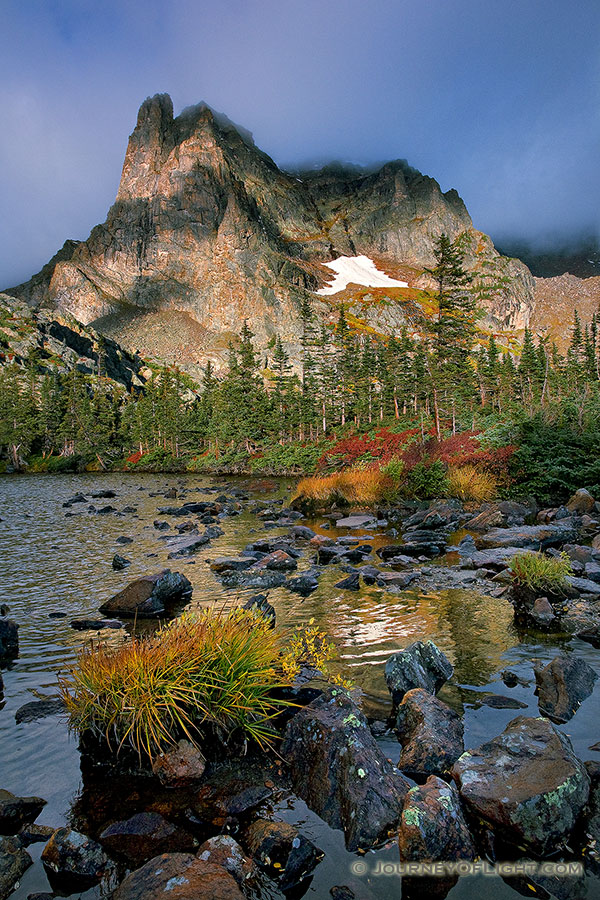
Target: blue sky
(499,99)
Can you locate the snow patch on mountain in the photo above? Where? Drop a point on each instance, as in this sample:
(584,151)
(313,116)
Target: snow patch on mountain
(357,270)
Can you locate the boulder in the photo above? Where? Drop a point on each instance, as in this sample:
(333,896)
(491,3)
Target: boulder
(582,503)
(14,862)
(120,562)
(17,811)
(160,525)
(498,558)
(276,561)
(181,767)
(542,614)
(302,533)
(358,521)
(35,834)
(562,686)
(223,850)
(9,639)
(430,732)
(339,771)
(282,851)
(150,596)
(433,826)
(420,665)
(71,858)
(530,537)
(143,836)
(526,783)
(302,584)
(351,583)
(179,876)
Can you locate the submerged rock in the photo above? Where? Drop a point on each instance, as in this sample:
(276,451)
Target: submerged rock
(430,732)
(9,639)
(145,835)
(282,851)
(39,709)
(339,771)
(189,546)
(150,596)
(527,783)
(303,584)
(17,811)
(351,583)
(14,862)
(433,826)
(420,665)
(181,767)
(562,686)
(179,876)
(72,859)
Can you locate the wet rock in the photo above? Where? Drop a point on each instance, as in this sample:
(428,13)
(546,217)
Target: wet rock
(77,498)
(467,547)
(223,850)
(420,665)
(526,783)
(342,892)
(430,548)
(189,546)
(511,679)
(106,510)
(430,732)
(9,639)
(592,572)
(17,811)
(120,562)
(302,532)
(282,851)
(339,771)
(145,835)
(260,604)
(530,537)
(581,502)
(123,539)
(276,561)
(329,553)
(433,826)
(161,526)
(562,686)
(261,580)
(498,558)
(369,574)
(71,858)
(179,876)
(351,583)
(95,624)
(171,494)
(39,709)
(398,581)
(35,834)
(581,586)
(497,701)
(358,521)
(231,790)
(231,563)
(303,584)
(542,614)
(181,767)
(14,862)
(150,596)
(102,495)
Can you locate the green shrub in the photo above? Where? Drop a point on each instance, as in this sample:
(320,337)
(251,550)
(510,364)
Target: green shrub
(426,481)
(540,573)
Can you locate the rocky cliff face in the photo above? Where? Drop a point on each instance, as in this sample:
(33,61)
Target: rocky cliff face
(206,231)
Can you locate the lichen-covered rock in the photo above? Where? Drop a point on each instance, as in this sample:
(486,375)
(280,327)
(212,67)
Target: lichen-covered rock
(562,686)
(527,783)
(71,858)
(282,851)
(430,732)
(17,811)
(223,850)
(339,771)
(145,835)
(14,862)
(433,826)
(179,876)
(420,665)
(180,767)
(149,597)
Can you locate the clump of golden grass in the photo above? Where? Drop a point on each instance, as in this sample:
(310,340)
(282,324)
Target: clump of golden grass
(471,483)
(218,670)
(539,572)
(363,487)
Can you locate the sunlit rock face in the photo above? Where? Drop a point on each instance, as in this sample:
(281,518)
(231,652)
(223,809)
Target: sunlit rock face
(206,228)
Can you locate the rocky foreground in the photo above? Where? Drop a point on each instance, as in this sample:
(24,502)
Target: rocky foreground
(200,825)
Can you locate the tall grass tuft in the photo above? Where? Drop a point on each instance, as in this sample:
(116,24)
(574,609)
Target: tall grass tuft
(211,671)
(471,483)
(538,572)
(361,487)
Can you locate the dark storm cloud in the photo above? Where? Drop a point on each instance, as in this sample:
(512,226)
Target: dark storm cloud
(499,99)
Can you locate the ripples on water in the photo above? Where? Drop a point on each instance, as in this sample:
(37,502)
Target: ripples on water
(50,563)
